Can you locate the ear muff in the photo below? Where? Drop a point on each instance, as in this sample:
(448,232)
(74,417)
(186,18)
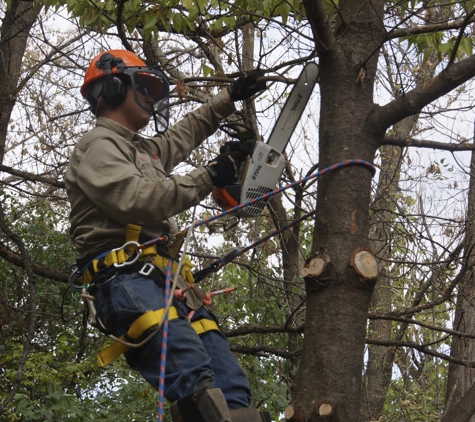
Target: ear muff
(113,90)
(114,87)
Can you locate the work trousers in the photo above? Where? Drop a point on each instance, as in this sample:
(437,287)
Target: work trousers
(194,362)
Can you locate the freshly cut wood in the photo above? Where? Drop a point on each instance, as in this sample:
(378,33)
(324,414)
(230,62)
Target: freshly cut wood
(315,265)
(293,413)
(365,264)
(325,408)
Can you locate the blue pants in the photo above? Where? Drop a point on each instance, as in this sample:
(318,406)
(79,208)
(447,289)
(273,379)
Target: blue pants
(193,362)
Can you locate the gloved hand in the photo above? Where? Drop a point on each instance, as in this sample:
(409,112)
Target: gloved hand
(243,147)
(246,85)
(224,168)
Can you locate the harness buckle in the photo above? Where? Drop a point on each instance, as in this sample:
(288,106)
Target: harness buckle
(146,269)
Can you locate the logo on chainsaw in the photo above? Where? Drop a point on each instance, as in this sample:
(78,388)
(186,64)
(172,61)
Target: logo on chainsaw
(256,172)
(296,103)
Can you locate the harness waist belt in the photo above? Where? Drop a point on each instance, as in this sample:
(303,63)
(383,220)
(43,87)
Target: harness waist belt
(120,257)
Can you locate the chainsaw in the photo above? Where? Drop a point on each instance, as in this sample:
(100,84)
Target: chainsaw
(261,171)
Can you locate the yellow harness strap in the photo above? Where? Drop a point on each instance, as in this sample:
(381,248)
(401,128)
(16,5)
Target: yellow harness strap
(203,325)
(138,327)
(144,323)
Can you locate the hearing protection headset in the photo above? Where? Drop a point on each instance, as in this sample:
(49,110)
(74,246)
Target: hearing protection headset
(113,88)
(108,75)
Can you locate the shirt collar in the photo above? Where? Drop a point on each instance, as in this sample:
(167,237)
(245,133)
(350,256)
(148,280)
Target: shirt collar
(127,134)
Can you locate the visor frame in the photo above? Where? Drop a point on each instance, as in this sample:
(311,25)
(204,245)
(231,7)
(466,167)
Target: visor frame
(160,107)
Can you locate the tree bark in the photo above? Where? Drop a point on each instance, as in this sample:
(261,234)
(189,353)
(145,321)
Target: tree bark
(16,26)
(380,358)
(335,329)
(461,379)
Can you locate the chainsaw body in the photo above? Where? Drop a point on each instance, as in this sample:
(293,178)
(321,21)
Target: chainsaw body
(259,175)
(261,171)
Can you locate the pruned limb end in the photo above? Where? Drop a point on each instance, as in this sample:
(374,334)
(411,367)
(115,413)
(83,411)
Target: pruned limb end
(294,413)
(365,264)
(315,266)
(325,408)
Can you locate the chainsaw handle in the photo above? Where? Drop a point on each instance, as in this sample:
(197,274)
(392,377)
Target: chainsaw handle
(247,134)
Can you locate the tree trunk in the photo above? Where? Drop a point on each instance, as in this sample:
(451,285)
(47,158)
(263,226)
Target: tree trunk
(331,365)
(16,25)
(461,379)
(380,358)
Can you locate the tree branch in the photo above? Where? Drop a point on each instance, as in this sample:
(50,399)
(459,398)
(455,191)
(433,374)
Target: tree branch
(318,17)
(421,143)
(427,29)
(262,351)
(422,348)
(413,101)
(37,269)
(32,177)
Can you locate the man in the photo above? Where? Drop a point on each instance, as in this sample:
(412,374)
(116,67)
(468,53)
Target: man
(119,191)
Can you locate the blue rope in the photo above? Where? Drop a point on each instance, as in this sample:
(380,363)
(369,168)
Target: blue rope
(339,165)
(163,355)
(219,263)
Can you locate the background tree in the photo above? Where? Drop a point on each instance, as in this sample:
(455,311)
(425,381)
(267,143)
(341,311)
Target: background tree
(389,71)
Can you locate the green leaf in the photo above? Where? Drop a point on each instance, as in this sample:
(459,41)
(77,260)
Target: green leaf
(283,11)
(178,21)
(207,71)
(229,21)
(165,23)
(188,4)
(466,46)
(151,20)
(255,4)
(218,24)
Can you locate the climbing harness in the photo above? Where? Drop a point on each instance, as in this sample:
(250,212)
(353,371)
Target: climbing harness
(151,322)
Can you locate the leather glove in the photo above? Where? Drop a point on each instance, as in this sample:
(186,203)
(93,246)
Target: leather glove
(224,168)
(246,85)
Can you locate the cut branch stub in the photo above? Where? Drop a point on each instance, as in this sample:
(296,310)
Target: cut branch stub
(325,408)
(293,413)
(315,266)
(365,264)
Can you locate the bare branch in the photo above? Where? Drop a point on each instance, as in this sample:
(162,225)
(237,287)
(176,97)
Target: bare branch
(421,143)
(413,101)
(318,17)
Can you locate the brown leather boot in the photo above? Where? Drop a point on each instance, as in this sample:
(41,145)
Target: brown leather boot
(249,414)
(205,406)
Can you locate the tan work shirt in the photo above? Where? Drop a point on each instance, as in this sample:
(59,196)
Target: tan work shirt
(116,177)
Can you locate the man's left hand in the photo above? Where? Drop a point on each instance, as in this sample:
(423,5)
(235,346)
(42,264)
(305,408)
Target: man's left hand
(247,85)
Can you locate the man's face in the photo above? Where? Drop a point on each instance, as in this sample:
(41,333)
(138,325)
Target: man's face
(134,116)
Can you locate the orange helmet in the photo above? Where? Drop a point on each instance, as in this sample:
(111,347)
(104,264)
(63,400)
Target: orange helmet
(110,72)
(95,72)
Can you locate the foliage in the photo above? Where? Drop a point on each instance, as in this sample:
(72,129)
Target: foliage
(197,41)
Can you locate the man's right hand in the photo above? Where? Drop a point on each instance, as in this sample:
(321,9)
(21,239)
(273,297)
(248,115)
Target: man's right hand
(224,168)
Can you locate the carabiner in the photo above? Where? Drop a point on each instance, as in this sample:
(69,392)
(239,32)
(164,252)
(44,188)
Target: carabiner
(128,262)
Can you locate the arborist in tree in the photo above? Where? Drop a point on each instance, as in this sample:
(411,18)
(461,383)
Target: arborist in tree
(121,195)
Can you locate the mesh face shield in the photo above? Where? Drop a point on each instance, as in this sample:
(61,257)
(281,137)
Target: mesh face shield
(154,87)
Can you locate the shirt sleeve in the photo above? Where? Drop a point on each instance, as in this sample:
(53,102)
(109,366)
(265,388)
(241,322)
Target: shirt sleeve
(181,139)
(125,185)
